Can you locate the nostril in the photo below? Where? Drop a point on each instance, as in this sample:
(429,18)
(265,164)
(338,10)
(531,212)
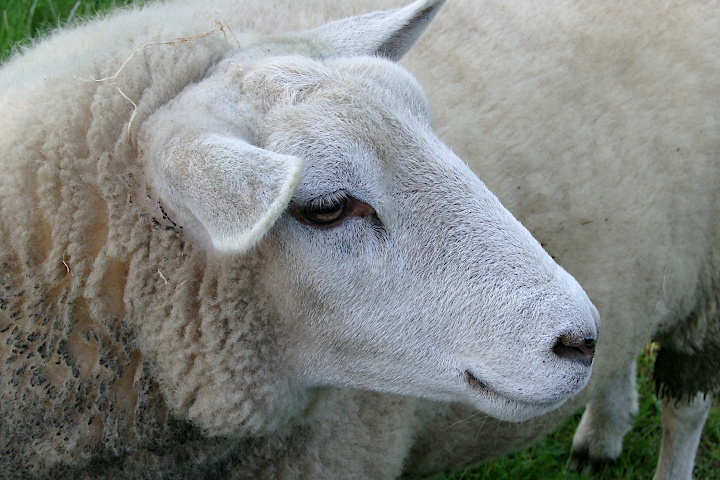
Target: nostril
(590,345)
(571,348)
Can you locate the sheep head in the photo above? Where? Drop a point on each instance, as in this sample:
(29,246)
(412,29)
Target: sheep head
(386,263)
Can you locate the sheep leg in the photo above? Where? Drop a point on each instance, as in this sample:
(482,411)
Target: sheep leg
(607,418)
(682,422)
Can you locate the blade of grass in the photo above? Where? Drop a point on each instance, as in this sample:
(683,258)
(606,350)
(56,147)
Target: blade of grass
(53,12)
(5,21)
(74,9)
(28,21)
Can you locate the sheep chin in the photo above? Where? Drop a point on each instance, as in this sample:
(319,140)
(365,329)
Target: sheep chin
(503,407)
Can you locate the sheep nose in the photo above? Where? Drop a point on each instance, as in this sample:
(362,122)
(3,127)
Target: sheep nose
(578,349)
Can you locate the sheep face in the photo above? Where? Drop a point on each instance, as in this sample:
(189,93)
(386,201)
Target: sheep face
(394,267)
(389,264)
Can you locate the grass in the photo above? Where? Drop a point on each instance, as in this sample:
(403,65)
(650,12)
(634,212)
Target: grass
(548,459)
(21,20)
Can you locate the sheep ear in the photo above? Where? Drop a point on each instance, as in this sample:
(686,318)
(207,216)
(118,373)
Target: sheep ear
(388,34)
(234,190)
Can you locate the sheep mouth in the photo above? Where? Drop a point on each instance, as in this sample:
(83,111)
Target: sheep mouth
(482,388)
(475,383)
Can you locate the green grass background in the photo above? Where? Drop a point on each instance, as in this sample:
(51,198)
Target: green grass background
(548,459)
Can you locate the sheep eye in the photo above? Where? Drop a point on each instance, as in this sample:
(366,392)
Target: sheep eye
(325,211)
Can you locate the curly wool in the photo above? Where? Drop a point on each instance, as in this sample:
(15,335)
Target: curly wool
(78,249)
(90,279)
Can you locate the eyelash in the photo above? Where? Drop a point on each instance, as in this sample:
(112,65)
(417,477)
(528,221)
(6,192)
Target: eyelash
(331,199)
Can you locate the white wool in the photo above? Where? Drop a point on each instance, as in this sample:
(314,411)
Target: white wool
(597,124)
(167,318)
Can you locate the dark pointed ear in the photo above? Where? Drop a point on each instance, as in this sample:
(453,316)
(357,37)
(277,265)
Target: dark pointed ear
(388,34)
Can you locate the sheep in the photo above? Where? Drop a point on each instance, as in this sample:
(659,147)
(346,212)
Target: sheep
(229,252)
(598,125)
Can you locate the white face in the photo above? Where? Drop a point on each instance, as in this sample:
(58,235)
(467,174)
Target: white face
(393,267)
